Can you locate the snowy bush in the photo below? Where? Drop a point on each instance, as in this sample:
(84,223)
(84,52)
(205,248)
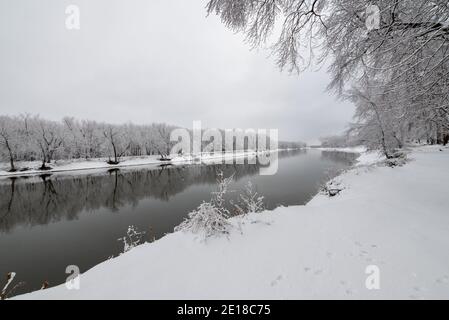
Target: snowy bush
(250,201)
(218,199)
(210,218)
(398,159)
(332,188)
(207,220)
(132,239)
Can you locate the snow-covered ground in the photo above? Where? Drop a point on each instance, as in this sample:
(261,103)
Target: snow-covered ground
(396,219)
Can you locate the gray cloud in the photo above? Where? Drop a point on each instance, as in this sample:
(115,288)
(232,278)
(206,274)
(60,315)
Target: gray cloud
(153,61)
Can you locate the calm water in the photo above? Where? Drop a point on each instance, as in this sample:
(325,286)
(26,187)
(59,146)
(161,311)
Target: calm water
(50,222)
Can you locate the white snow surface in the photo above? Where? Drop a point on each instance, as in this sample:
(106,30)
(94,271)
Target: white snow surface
(394,218)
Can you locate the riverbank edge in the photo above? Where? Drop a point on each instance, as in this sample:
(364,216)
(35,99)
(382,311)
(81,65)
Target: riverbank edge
(69,166)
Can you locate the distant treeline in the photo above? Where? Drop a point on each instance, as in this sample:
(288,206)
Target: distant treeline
(31,138)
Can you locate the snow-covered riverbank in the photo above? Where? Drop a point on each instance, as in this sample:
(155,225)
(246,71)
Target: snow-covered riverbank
(393,218)
(96,164)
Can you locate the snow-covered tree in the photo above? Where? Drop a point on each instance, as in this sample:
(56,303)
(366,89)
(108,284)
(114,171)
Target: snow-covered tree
(117,145)
(92,138)
(334,141)
(161,139)
(47,137)
(10,139)
(73,138)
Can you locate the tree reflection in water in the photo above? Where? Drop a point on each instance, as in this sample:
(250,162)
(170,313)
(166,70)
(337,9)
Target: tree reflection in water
(45,199)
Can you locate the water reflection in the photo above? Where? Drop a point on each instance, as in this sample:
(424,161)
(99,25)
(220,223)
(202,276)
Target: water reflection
(46,199)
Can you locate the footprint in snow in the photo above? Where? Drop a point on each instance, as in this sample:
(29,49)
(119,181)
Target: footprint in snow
(418,292)
(444,279)
(349,292)
(276,281)
(316,272)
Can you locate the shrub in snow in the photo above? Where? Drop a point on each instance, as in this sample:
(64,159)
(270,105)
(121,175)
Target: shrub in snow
(398,159)
(332,188)
(250,201)
(207,220)
(132,239)
(210,218)
(218,199)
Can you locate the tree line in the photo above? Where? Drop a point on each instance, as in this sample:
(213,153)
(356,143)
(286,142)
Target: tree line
(32,138)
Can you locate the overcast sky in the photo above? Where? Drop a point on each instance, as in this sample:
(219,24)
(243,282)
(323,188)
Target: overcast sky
(153,61)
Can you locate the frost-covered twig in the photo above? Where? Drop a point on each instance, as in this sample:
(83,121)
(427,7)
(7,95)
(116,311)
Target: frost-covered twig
(9,278)
(218,199)
(250,201)
(132,239)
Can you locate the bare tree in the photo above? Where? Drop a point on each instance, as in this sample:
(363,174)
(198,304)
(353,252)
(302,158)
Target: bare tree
(91,137)
(10,139)
(162,142)
(117,145)
(48,137)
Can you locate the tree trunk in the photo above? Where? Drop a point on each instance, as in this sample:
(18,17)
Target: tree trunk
(445,139)
(382,132)
(400,144)
(44,159)
(11,161)
(11,156)
(115,152)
